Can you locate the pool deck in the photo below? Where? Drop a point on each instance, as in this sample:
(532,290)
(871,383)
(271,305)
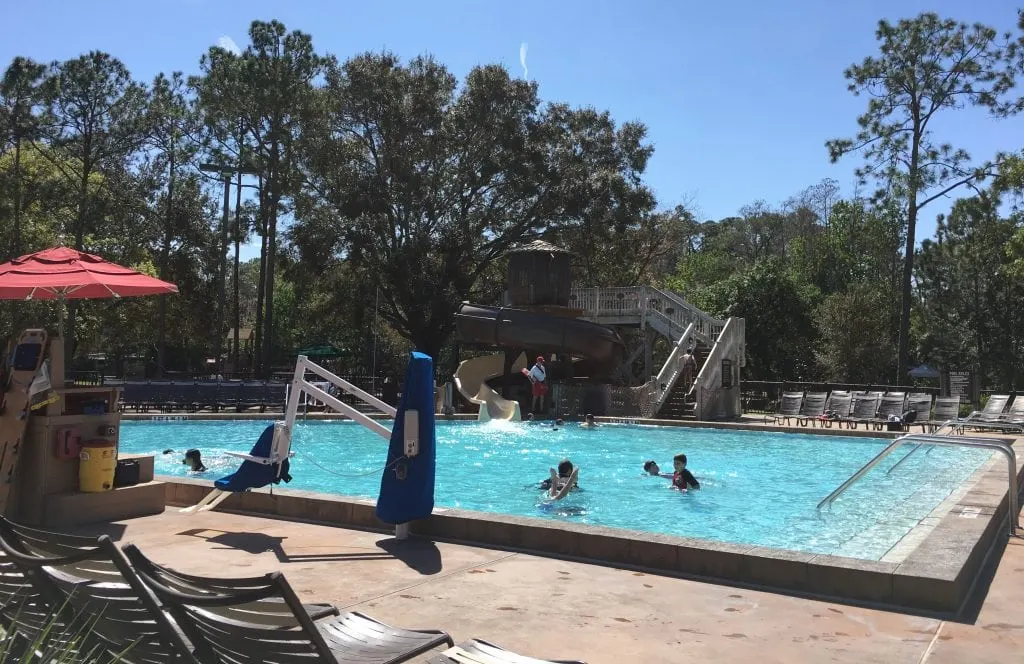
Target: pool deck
(555,608)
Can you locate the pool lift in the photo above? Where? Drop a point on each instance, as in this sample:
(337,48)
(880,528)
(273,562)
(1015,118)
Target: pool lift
(267,462)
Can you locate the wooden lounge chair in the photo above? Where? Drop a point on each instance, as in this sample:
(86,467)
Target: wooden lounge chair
(232,628)
(789,407)
(477,651)
(124,618)
(812,407)
(946,409)
(864,408)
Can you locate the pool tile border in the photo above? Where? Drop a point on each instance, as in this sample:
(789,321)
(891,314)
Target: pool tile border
(937,575)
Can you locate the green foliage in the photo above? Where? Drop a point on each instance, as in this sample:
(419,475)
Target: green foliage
(925,65)
(970,309)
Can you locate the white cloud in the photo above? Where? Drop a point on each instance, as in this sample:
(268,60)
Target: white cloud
(522,59)
(228,44)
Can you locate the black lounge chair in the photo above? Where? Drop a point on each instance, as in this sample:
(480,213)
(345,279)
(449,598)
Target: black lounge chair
(836,408)
(813,408)
(921,404)
(124,618)
(864,408)
(946,409)
(233,628)
(477,651)
(891,405)
(789,407)
(25,616)
(215,586)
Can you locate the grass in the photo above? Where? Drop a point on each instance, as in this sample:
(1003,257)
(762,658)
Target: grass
(58,643)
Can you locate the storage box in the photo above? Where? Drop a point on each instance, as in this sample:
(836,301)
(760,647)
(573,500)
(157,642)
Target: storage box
(126,473)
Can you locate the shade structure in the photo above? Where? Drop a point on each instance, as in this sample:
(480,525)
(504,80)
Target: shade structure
(923,371)
(323,350)
(62,273)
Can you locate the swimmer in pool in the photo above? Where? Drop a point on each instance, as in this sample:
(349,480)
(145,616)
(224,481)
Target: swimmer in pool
(194,460)
(652,468)
(683,479)
(588,422)
(565,469)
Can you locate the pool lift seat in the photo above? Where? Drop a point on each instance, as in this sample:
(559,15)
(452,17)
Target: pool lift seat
(268,461)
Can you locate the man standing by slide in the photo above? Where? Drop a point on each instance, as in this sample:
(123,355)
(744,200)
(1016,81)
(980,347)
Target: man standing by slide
(538,377)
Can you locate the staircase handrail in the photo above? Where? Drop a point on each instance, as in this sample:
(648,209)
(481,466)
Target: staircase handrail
(712,355)
(713,325)
(670,371)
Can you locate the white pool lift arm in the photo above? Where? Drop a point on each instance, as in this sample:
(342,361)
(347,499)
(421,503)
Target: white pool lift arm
(280,448)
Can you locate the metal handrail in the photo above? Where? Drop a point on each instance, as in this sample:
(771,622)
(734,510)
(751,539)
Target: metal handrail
(995,444)
(935,432)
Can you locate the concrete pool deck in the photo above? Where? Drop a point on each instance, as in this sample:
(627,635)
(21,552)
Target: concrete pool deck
(555,608)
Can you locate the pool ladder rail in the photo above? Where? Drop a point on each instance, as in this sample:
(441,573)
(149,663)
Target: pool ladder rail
(995,444)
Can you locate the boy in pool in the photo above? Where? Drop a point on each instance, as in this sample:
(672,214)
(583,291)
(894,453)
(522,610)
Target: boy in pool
(683,479)
(194,460)
(588,422)
(565,469)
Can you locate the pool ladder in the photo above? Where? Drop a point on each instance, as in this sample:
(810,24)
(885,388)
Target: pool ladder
(995,444)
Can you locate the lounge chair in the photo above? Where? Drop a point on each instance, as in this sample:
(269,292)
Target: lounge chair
(789,407)
(891,405)
(812,407)
(921,404)
(864,409)
(946,409)
(477,651)
(1013,418)
(24,614)
(992,412)
(837,407)
(232,628)
(124,618)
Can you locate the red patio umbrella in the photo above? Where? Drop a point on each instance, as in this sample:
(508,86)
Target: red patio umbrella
(62,273)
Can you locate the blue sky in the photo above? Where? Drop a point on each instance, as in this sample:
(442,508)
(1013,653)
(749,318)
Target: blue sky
(739,96)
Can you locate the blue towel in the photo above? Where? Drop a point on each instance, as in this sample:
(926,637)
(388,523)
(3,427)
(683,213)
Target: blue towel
(252,475)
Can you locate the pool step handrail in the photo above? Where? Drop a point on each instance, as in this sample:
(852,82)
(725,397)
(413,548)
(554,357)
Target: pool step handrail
(280,448)
(952,424)
(995,444)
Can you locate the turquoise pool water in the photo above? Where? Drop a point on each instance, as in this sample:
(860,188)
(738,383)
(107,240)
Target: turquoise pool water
(757,488)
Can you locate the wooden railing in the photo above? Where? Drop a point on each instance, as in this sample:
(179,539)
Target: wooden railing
(669,307)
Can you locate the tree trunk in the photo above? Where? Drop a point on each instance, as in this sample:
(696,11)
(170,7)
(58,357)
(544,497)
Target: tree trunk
(268,290)
(236,317)
(83,202)
(908,257)
(258,328)
(165,253)
(16,235)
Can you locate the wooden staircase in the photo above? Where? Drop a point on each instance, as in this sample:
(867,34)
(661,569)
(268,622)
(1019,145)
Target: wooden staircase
(679,405)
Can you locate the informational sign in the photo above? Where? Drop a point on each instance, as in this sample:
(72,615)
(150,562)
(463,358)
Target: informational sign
(960,385)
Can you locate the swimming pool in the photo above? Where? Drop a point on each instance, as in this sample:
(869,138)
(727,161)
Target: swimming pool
(758,488)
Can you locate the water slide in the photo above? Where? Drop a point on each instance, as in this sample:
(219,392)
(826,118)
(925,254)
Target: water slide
(503,327)
(471,381)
